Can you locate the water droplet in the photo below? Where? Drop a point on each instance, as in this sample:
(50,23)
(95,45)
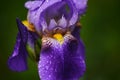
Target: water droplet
(49,76)
(47,0)
(47,62)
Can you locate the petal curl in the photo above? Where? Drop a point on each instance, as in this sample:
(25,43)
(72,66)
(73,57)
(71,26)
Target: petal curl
(32,5)
(17,61)
(79,5)
(50,65)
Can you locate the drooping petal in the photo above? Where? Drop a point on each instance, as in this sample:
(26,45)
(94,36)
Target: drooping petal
(23,31)
(50,66)
(74,64)
(17,61)
(32,37)
(81,46)
(33,46)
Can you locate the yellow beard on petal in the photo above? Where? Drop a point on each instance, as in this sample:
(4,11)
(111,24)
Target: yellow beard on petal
(59,38)
(29,26)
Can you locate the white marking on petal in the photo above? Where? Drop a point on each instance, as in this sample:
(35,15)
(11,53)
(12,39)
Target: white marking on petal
(62,22)
(52,24)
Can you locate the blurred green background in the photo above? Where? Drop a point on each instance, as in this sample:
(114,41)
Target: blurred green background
(100,33)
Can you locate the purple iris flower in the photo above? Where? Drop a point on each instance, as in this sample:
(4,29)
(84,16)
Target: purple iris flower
(60,52)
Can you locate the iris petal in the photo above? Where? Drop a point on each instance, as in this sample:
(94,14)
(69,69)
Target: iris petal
(41,11)
(81,46)
(35,4)
(32,37)
(73,19)
(79,5)
(74,64)
(17,60)
(36,16)
(61,62)
(33,46)
(50,65)
(23,30)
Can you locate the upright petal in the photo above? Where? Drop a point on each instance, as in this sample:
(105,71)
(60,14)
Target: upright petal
(18,61)
(74,18)
(32,5)
(36,16)
(50,65)
(79,5)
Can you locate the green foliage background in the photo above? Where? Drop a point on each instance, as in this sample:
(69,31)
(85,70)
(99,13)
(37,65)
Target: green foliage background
(100,33)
